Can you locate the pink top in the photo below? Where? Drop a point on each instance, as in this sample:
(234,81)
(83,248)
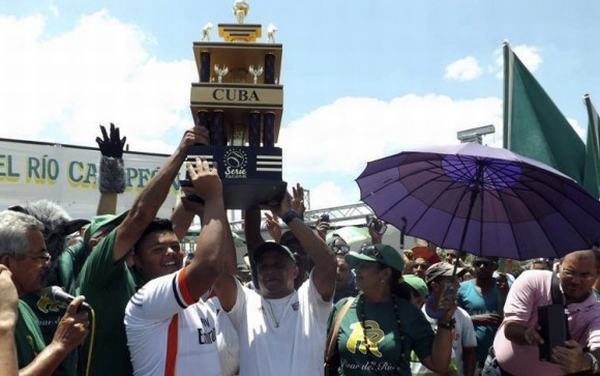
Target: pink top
(530,290)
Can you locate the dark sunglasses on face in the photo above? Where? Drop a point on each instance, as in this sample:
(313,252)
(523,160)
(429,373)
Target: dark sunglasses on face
(420,266)
(340,249)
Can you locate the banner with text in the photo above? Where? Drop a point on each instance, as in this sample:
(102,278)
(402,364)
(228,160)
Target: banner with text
(68,175)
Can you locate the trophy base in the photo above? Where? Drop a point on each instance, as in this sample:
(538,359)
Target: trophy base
(251,176)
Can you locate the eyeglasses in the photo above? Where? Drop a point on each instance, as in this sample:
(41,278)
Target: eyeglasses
(571,274)
(420,266)
(340,249)
(44,257)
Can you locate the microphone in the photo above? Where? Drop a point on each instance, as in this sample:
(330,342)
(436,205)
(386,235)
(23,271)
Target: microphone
(59,295)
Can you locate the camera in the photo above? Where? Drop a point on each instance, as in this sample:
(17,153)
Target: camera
(324,218)
(376,224)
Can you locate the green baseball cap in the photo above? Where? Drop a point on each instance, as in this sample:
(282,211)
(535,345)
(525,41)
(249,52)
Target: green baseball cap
(416,283)
(100,221)
(381,253)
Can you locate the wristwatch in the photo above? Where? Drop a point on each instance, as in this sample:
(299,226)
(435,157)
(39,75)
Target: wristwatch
(289,216)
(595,363)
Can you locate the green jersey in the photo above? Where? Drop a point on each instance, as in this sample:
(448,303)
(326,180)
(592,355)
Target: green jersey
(389,346)
(107,286)
(28,336)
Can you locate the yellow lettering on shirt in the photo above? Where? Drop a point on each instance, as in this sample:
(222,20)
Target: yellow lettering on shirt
(373,334)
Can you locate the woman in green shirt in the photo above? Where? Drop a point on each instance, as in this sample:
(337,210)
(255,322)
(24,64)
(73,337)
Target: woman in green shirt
(381,327)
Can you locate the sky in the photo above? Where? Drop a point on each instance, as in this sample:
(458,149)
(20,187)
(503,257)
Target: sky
(362,79)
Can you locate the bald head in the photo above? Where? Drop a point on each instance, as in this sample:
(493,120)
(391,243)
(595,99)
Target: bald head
(584,255)
(578,272)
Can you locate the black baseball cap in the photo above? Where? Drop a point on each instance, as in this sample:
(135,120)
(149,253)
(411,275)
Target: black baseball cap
(271,246)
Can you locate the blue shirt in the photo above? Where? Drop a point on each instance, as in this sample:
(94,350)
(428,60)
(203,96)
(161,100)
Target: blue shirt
(471,300)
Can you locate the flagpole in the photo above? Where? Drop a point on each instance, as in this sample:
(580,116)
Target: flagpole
(508,94)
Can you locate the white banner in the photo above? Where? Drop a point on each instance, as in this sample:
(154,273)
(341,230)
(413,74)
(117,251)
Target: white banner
(68,175)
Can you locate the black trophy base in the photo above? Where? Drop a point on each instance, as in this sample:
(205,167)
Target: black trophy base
(251,176)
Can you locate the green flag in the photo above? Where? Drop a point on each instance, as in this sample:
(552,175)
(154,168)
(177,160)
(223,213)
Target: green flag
(591,176)
(534,126)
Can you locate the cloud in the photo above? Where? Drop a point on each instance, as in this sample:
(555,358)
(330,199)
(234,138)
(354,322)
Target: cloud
(465,69)
(62,86)
(529,55)
(343,136)
(581,132)
(329,194)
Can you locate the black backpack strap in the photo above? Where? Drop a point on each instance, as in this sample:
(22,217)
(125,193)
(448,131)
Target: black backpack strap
(555,293)
(558,298)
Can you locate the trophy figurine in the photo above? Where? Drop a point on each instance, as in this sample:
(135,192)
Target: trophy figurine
(240,10)
(221,72)
(255,72)
(271,30)
(206,31)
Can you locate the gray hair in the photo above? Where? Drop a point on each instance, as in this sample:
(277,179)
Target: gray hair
(13,232)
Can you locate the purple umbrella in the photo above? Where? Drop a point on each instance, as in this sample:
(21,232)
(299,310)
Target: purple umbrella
(483,200)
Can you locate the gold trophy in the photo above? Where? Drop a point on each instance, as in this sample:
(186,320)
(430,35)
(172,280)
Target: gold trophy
(240,101)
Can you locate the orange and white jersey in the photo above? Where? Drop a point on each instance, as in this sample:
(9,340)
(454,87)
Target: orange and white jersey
(168,333)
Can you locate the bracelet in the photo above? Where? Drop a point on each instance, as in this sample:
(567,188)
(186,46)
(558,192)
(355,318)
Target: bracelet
(595,364)
(447,325)
(289,216)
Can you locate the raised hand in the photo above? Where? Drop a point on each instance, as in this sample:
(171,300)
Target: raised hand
(8,298)
(111,146)
(196,135)
(205,180)
(272,224)
(298,200)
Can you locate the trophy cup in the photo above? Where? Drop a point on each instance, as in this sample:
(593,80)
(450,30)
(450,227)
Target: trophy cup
(221,72)
(243,115)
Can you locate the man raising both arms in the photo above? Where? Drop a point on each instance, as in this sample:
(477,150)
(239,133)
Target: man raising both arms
(282,331)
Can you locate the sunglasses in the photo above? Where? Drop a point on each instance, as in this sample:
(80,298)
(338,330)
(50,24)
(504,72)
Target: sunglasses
(340,250)
(371,251)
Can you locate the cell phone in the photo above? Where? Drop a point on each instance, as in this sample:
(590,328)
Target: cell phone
(378,225)
(324,218)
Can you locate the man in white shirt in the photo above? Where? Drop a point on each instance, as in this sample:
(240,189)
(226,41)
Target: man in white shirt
(464,342)
(282,331)
(169,331)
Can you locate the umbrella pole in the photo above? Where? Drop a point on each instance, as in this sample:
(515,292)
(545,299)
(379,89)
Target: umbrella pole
(475,189)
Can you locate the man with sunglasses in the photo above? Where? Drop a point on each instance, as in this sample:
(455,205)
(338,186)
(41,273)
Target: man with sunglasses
(483,300)
(419,266)
(345,279)
(23,252)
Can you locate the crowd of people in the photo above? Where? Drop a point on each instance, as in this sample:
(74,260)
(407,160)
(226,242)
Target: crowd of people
(307,303)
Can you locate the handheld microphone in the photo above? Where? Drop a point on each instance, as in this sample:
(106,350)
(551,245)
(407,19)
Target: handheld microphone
(59,295)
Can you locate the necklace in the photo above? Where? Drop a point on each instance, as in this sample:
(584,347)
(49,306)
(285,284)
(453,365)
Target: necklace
(272,312)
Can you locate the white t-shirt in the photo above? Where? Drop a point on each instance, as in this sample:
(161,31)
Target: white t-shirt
(168,330)
(281,336)
(463,335)
(227,339)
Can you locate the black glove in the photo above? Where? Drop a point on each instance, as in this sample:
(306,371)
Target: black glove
(111,146)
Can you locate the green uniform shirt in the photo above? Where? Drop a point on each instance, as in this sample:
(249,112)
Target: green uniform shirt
(107,286)
(388,354)
(28,336)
